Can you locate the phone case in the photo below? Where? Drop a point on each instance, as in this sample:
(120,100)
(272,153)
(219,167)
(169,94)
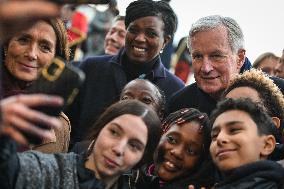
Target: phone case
(59,79)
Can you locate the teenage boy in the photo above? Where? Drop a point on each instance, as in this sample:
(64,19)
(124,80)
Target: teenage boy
(242,141)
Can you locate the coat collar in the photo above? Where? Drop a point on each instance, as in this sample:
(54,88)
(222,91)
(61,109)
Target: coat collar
(159,70)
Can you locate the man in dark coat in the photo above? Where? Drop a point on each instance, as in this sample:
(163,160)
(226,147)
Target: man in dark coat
(216,44)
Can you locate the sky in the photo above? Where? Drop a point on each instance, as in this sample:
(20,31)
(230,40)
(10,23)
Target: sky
(262,21)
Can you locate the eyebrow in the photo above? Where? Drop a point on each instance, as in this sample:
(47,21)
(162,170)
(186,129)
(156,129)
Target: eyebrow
(24,34)
(227,124)
(133,139)
(51,44)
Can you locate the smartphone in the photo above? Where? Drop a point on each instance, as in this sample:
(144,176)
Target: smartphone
(60,79)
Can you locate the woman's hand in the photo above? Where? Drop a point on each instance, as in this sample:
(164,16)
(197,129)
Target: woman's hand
(17,115)
(18,14)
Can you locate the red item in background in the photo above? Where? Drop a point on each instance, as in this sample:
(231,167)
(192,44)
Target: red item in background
(78,30)
(182,70)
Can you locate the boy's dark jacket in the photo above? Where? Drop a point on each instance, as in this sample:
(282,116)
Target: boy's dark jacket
(259,175)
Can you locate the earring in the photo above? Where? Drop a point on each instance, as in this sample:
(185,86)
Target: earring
(90,148)
(161,51)
(5,52)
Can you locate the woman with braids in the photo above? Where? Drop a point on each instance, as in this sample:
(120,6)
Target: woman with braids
(182,156)
(150,26)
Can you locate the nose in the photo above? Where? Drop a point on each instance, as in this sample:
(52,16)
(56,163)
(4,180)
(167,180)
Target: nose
(206,65)
(119,148)
(140,37)
(31,52)
(221,138)
(114,36)
(177,152)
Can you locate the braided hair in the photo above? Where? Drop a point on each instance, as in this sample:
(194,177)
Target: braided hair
(186,115)
(204,171)
(161,9)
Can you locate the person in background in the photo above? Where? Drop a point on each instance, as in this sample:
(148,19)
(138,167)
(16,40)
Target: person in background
(114,40)
(98,28)
(125,136)
(150,25)
(266,62)
(242,142)
(115,37)
(146,92)
(217,49)
(25,54)
(279,69)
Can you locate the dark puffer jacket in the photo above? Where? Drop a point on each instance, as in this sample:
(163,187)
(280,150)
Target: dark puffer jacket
(259,175)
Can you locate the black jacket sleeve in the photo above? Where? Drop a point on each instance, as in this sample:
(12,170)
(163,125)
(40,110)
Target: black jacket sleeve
(9,162)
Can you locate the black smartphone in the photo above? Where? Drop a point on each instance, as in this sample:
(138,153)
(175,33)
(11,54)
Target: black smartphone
(57,78)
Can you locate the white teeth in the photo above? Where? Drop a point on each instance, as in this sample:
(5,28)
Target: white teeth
(138,49)
(171,165)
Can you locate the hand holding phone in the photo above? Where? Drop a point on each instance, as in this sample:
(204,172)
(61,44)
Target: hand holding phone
(58,79)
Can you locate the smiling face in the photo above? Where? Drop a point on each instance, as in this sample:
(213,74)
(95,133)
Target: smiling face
(115,38)
(179,151)
(214,63)
(29,51)
(119,146)
(142,91)
(235,140)
(145,39)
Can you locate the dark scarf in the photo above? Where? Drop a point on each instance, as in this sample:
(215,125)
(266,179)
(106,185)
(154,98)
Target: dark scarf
(140,70)
(12,85)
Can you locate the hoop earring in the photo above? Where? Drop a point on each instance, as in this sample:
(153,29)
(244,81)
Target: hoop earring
(90,148)
(162,50)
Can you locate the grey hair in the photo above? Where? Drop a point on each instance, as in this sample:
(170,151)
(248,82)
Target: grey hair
(235,34)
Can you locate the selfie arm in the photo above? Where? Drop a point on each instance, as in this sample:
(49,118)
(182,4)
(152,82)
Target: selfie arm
(17,116)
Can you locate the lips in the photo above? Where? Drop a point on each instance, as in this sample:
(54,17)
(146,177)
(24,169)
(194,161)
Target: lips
(224,152)
(210,78)
(28,65)
(113,45)
(111,163)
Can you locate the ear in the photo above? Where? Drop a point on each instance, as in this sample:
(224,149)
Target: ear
(276,122)
(268,147)
(241,58)
(167,39)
